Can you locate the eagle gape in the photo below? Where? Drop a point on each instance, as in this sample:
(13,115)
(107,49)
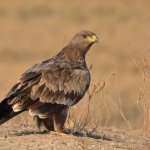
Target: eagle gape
(49,88)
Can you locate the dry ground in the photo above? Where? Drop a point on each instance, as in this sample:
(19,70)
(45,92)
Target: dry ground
(23,138)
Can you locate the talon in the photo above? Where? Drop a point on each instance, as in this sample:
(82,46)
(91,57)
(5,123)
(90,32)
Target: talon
(60,133)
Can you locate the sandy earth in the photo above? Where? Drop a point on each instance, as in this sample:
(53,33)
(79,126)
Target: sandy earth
(22,138)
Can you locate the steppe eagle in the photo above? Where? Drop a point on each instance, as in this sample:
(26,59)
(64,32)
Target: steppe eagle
(49,88)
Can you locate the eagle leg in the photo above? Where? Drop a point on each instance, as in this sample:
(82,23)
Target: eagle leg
(59,119)
(48,124)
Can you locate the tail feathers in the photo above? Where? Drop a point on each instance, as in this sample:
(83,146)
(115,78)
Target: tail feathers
(6,112)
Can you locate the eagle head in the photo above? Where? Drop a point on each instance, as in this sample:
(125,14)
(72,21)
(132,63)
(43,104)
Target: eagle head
(84,40)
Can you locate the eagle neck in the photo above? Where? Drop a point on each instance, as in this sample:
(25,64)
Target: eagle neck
(70,52)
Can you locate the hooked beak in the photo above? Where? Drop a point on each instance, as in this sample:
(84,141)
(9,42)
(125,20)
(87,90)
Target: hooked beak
(97,40)
(93,39)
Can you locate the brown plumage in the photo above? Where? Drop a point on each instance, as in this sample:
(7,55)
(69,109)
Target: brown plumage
(49,88)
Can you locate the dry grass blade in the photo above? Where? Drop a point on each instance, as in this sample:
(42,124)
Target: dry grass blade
(144,67)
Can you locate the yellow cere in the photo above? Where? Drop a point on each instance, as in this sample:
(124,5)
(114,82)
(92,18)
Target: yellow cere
(92,38)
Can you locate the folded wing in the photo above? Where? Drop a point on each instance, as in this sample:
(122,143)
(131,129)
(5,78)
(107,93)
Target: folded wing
(55,83)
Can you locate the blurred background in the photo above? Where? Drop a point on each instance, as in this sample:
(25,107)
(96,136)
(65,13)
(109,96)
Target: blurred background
(34,30)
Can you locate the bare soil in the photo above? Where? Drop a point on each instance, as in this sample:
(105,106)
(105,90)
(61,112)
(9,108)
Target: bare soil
(28,137)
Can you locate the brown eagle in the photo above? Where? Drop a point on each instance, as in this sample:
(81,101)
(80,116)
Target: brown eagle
(49,88)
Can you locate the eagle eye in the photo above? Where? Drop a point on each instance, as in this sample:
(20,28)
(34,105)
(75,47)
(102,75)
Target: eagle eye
(84,36)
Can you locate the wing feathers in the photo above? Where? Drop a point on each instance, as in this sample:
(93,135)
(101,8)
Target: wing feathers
(60,84)
(62,87)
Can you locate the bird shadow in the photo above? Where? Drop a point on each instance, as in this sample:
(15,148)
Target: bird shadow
(67,132)
(89,135)
(27,132)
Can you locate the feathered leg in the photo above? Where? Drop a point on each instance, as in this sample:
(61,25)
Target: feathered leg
(38,121)
(51,116)
(47,123)
(60,118)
